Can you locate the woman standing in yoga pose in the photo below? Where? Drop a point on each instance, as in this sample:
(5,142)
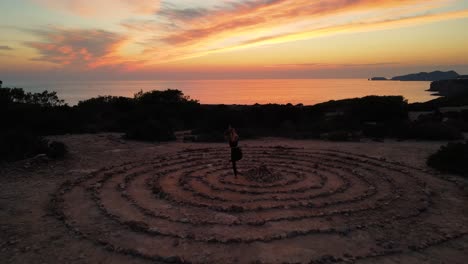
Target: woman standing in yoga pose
(236,153)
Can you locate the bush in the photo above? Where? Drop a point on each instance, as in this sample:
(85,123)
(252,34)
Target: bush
(375,130)
(451,158)
(436,131)
(18,95)
(150,130)
(16,145)
(368,109)
(209,137)
(340,136)
(57,150)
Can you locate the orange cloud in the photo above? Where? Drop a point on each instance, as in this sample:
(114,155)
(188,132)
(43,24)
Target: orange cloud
(181,33)
(195,33)
(269,14)
(350,28)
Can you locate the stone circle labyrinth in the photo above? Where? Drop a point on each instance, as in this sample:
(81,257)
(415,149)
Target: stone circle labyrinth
(327,206)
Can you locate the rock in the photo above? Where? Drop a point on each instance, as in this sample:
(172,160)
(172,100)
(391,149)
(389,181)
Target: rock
(226,218)
(40,157)
(378,79)
(154,230)
(12,242)
(36,248)
(263,174)
(137,225)
(173,259)
(236,209)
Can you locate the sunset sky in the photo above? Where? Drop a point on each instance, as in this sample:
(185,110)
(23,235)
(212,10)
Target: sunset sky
(216,39)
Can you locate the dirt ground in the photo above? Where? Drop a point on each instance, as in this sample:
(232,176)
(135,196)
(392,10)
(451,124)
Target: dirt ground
(118,201)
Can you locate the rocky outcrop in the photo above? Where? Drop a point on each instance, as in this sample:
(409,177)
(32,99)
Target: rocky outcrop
(378,79)
(450,88)
(428,76)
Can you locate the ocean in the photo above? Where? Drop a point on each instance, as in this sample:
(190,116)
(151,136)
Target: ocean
(281,91)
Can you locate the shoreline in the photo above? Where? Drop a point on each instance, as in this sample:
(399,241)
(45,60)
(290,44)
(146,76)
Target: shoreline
(233,92)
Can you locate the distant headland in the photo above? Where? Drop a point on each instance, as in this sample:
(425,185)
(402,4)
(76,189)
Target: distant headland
(424,76)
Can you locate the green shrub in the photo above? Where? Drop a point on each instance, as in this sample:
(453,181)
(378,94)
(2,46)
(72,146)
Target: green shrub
(375,130)
(57,150)
(451,158)
(436,131)
(18,95)
(15,145)
(340,136)
(210,137)
(429,131)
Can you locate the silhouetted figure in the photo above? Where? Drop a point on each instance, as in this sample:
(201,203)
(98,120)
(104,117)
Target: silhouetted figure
(236,152)
(1,83)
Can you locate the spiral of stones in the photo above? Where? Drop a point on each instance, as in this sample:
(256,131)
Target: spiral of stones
(187,207)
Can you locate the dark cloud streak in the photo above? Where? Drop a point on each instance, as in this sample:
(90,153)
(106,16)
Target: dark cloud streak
(5,48)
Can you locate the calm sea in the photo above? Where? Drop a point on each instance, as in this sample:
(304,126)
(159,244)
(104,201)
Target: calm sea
(305,91)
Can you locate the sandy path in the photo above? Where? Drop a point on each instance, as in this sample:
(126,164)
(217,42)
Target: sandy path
(115,201)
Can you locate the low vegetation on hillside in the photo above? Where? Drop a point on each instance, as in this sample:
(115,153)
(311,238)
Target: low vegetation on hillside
(155,115)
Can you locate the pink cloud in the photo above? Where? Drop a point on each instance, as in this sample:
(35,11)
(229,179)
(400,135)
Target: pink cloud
(103,8)
(79,48)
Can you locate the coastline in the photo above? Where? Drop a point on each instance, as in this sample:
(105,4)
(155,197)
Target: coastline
(242,92)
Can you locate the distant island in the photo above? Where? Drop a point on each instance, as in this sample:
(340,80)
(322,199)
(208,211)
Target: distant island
(428,76)
(423,76)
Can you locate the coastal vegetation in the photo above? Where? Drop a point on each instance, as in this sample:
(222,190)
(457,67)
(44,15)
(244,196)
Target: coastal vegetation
(450,88)
(156,115)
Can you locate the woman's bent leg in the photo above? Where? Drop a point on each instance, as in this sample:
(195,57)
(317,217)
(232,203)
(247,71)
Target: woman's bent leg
(234,168)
